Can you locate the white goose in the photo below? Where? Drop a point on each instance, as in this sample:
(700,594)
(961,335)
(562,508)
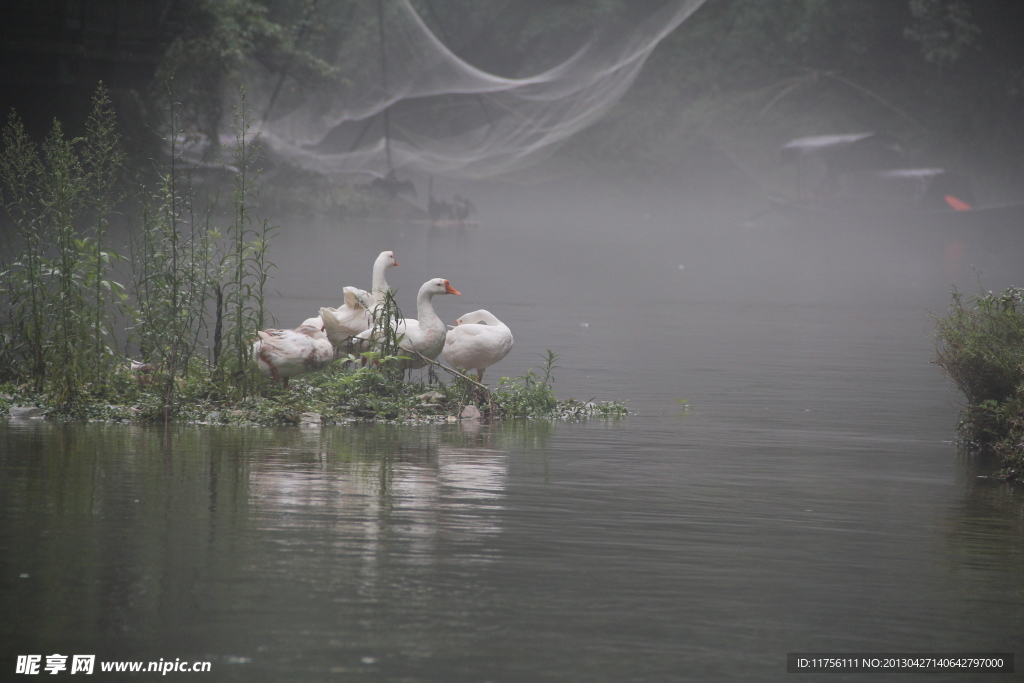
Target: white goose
(283,354)
(356,314)
(478,341)
(424,335)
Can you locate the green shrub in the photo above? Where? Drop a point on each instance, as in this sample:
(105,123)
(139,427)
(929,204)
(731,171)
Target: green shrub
(57,197)
(981,348)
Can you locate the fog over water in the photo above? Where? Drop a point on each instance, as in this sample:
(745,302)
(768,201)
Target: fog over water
(613,276)
(809,499)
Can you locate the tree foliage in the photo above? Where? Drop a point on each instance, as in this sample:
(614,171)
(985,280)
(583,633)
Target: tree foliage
(206,60)
(946,76)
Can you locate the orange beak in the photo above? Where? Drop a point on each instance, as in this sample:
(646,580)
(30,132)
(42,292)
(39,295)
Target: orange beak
(396,263)
(448,289)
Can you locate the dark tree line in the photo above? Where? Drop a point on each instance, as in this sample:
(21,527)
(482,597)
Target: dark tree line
(947,73)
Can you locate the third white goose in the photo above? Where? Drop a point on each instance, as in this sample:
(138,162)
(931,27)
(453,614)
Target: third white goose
(283,354)
(478,341)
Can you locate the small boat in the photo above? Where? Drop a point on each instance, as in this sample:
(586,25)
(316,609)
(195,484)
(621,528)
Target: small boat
(866,178)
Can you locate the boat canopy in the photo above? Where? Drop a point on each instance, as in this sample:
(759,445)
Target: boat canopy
(849,152)
(816,143)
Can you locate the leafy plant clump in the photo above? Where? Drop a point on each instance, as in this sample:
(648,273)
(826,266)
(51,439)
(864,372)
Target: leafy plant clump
(981,348)
(55,266)
(192,293)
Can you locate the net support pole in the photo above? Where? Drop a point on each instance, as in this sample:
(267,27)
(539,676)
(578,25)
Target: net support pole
(384,83)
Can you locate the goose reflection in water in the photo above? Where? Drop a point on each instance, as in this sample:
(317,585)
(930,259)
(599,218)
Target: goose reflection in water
(414,492)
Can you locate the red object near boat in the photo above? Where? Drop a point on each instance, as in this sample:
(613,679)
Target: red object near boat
(957,204)
(864,178)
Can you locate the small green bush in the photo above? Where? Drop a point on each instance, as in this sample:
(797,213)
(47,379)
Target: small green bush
(55,271)
(981,348)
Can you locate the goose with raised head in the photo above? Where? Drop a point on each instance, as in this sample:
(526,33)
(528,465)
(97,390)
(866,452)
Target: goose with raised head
(283,354)
(425,335)
(478,341)
(356,314)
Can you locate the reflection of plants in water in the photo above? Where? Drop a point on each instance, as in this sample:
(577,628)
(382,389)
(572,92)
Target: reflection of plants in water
(498,435)
(94,470)
(216,479)
(378,454)
(684,407)
(985,533)
(192,493)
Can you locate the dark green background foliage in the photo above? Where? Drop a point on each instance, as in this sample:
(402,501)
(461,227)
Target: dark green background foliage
(946,75)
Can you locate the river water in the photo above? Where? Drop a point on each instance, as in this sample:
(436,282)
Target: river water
(785,482)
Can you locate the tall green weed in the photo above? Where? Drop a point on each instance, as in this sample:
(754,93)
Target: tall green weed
(245,266)
(172,248)
(187,272)
(58,197)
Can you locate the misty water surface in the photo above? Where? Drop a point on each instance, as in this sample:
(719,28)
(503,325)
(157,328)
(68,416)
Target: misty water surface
(806,497)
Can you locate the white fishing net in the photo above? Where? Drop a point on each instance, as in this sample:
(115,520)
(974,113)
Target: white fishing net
(414,105)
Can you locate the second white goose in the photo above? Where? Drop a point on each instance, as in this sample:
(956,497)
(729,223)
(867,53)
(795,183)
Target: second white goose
(283,354)
(425,335)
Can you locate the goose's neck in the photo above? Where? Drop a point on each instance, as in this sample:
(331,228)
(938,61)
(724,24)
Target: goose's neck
(425,309)
(490,319)
(380,285)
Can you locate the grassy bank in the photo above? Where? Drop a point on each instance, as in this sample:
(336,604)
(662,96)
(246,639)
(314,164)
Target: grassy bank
(346,392)
(981,348)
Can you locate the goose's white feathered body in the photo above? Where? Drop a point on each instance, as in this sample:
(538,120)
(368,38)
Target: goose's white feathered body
(424,335)
(349,319)
(283,354)
(355,315)
(478,341)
